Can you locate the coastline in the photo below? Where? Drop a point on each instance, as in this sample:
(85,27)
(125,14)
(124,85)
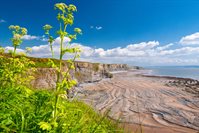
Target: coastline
(174,71)
(189,85)
(166,104)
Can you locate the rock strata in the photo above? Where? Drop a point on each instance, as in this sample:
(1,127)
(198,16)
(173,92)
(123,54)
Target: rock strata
(159,104)
(85,72)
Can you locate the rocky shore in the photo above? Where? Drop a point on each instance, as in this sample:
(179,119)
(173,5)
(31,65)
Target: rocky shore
(138,101)
(158,104)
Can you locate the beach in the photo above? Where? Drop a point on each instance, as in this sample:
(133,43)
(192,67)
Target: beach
(154,103)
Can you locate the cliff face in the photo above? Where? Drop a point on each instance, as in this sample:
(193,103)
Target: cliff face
(85,72)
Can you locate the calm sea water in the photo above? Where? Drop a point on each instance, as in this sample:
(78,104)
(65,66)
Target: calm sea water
(184,72)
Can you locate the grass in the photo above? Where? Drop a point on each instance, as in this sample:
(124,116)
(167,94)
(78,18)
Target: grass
(24,109)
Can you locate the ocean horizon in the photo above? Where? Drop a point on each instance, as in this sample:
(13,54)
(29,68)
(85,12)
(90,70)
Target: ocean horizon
(175,71)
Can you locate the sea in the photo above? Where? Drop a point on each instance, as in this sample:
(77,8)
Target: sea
(175,71)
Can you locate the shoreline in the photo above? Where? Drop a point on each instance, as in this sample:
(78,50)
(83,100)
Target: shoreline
(146,73)
(166,104)
(151,73)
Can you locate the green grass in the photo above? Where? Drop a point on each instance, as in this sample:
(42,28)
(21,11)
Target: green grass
(22,109)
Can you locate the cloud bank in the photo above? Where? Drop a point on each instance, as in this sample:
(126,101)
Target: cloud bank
(192,39)
(32,37)
(144,53)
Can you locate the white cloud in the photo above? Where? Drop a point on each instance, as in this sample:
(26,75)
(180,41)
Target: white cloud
(2,21)
(30,37)
(164,47)
(44,50)
(144,53)
(143,45)
(96,27)
(11,48)
(192,39)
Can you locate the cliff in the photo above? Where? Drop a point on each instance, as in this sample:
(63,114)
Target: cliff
(85,72)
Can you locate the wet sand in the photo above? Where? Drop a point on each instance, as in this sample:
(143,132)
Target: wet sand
(159,104)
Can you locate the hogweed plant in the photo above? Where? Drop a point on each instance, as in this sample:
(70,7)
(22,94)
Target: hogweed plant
(13,71)
(64,80)
(50,38)
(18,32)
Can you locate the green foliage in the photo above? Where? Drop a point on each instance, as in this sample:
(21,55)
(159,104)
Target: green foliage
(13,71)
(64,80)
(2,50)
(18,32)
(65,18)
(26,110)
(50,38)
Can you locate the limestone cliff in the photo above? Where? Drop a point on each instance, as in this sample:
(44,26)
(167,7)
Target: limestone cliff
(85,72)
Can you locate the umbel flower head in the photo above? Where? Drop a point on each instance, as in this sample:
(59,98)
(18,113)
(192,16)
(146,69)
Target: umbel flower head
(24,31)
(72,8)
(47,28)
(66,14)
(18,32)
(61,6)
(78,30)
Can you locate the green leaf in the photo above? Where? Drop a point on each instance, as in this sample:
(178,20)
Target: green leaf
(45,126)
(78,30)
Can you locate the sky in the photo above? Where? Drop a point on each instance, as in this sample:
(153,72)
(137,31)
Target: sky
(135,32)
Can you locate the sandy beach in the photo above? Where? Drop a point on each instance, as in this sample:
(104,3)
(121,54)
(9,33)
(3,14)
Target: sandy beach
(159,104)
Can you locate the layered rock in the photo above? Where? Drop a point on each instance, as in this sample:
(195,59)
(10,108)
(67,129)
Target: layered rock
(85,72)
(158,103)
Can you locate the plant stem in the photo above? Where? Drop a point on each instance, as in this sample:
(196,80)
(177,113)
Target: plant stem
(51,48)
(23,121)
(59,73)
(15,47)
(13,56)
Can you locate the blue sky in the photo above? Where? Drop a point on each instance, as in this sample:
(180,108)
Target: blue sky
(109,24)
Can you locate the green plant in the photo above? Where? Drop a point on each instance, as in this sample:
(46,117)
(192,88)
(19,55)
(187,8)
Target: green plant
(64,79)
(26,110)
(13,71)
(2,50)
(14,76)
(50,38)
(18,32)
